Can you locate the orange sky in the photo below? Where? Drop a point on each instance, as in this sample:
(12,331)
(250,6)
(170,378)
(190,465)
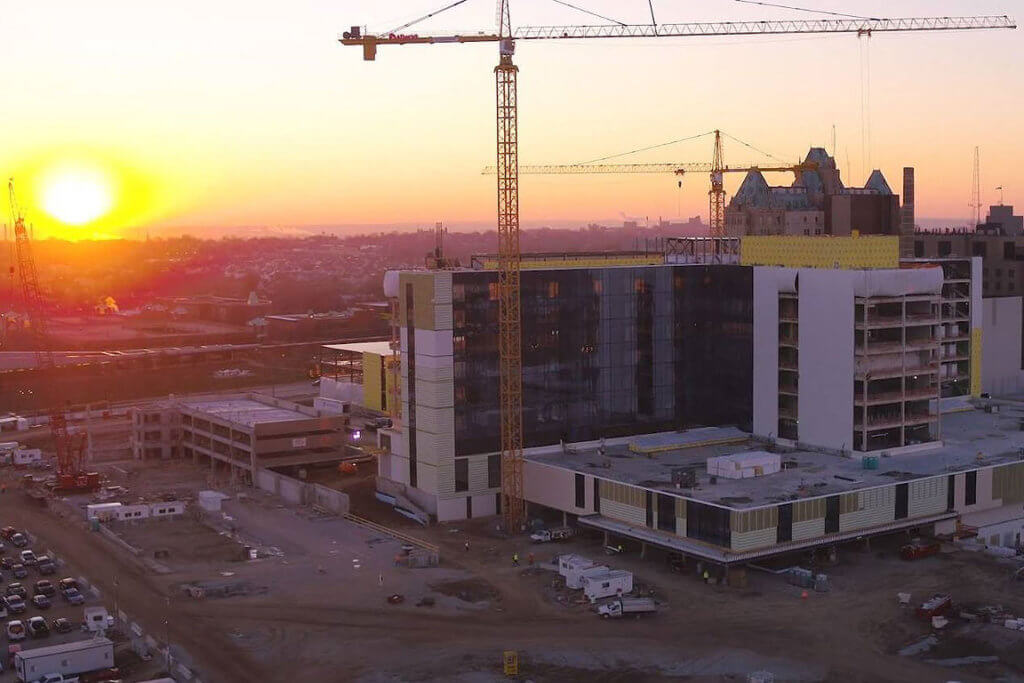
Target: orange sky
(242,113)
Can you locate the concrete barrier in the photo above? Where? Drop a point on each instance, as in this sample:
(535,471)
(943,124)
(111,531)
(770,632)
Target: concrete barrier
(330,499)
(302,493)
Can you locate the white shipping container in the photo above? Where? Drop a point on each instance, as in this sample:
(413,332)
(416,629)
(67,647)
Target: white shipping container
(68,659)
(607,585)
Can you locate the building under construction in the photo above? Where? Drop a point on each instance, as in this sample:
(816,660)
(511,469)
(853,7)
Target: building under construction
(832,343)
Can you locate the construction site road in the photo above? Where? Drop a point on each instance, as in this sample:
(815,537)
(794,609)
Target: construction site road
(709,634)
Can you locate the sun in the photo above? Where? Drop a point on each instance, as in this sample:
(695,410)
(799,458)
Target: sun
(76,196)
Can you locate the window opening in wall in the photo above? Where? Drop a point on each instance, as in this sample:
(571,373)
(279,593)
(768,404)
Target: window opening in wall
(902,501)
(581,491)
(493,471)
(971,488)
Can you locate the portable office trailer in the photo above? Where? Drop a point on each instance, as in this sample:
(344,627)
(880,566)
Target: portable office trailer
(607,584)
(567,563)
(69,659)
(574,578)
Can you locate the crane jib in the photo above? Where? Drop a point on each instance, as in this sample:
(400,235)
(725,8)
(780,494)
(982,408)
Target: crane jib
(736,28)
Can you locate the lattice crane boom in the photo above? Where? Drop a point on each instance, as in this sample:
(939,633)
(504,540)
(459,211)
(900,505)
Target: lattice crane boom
(508,173)
(67,465)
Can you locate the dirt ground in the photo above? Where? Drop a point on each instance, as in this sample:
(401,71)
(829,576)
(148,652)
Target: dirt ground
(324,613)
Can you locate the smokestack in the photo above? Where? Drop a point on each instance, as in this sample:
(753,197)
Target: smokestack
(907,214)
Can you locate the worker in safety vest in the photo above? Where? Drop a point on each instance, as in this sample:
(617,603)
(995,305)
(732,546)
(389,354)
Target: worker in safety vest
(515,559)
(706,576)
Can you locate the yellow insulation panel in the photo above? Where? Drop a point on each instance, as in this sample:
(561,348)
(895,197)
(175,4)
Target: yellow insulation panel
(584,261)
(799,251)
(372,387)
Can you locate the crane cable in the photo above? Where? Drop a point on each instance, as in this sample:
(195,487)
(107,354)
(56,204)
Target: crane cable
(427,16)
(759,151)
(805,9)
(646,149)
(586,11)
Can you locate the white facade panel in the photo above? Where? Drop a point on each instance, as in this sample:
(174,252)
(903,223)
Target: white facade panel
(433,343)
(451,509)
(825,401)
(555,487)
(1001,345)
(877,507)
(434,448)
(766,352)
(435,420)
(752,540)
(434,394)
(478,476)
(443,287)
(810,528)
(625,513)
(485,505)
(443,317)
(427,476)
(927,497)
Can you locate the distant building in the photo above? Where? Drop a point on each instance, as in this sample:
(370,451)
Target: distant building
(217,308)
(816,203)
(243,434)
(999,242)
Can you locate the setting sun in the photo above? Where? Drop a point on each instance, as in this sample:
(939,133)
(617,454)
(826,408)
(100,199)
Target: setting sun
(77,196)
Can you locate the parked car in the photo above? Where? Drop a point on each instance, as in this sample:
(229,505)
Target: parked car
(3,548)
(45,565)
(19,571)
(19,540)
(15,604)
(28,558)
(6,563)
(67,582)
(15,630)
(16,589)
(44,587)
(7,532)
(41,601)
(73,596)
(62,625)
(37,627)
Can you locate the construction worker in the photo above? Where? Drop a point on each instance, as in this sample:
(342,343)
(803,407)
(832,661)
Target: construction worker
(707,576)
(467,546)
(529,559)
(515,559)
(620,549)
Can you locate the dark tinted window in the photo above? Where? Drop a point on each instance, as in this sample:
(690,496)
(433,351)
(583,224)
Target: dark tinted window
(918,248)
(461,474)
(493,471)
(971,488)
(581,491)
(618,351)
(945,248)
(978,249)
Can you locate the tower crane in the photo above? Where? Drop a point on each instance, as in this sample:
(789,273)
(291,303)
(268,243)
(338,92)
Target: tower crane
(70,476)
(510,362)
(716,169)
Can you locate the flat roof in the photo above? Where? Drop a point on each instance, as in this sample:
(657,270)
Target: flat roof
(381,348)
(805,474)
(245,411)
